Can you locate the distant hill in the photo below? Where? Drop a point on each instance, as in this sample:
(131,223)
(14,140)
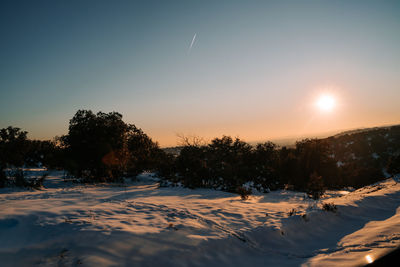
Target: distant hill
(361,130)
(291,141)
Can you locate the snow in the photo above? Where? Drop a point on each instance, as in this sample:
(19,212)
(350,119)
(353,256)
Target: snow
(375,155)
(141,224)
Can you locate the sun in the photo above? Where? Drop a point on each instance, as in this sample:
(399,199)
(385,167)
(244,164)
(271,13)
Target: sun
(326,102)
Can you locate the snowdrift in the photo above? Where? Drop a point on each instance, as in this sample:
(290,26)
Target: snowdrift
(142,224)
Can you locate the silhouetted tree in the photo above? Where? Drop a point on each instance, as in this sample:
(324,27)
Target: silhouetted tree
(44,153)
(393,166)
(13,149)
(96,145)
(165,165)
(360,173)
(101,147)
(313,155)
(265,165)
(287,165)
(315,186)
(229,160)
(192,166)
(228,163)
(3,179)
(144,154)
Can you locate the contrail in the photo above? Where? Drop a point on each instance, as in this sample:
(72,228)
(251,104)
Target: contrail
(191,44)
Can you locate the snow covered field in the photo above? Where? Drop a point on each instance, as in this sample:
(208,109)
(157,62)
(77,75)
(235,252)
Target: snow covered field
(141,224)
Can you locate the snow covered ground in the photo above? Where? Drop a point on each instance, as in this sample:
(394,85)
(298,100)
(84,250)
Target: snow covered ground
(141,224)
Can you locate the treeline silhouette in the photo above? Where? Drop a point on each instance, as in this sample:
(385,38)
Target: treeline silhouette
(103,148)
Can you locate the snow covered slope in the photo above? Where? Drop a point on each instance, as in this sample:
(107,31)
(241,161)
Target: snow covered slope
(141,224)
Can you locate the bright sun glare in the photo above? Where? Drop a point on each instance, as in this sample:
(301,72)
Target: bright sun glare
(326,102)
(369,259)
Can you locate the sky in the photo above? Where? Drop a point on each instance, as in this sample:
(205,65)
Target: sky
(249,69)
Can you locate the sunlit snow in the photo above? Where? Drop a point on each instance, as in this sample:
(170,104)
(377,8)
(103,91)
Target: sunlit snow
(142,224)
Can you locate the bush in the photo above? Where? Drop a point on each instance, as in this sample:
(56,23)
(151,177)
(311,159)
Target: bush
(243,192)
(19,178)
(329,207)
(37,182)
(315,186)
(292,212)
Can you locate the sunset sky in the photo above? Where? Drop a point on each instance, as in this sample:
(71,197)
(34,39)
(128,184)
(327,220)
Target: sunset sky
(253,69)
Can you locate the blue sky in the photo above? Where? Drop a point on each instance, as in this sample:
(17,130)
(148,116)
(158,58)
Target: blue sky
(255,69)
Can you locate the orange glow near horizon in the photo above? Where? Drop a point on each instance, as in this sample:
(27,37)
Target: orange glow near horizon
(325,110)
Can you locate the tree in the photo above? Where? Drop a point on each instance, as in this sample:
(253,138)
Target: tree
(192,166)
(102,147)
(393,166)
(44,153)
(229,160)
(287,165)
(265,165)
(313,155)
(3,179)
(95,145)
(224,163)
(315,186)
(144,154)
(13,149)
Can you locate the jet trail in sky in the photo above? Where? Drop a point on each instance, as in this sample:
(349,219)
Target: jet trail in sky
(191,44)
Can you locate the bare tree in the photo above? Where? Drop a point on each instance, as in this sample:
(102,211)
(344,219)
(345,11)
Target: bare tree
(190,140)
